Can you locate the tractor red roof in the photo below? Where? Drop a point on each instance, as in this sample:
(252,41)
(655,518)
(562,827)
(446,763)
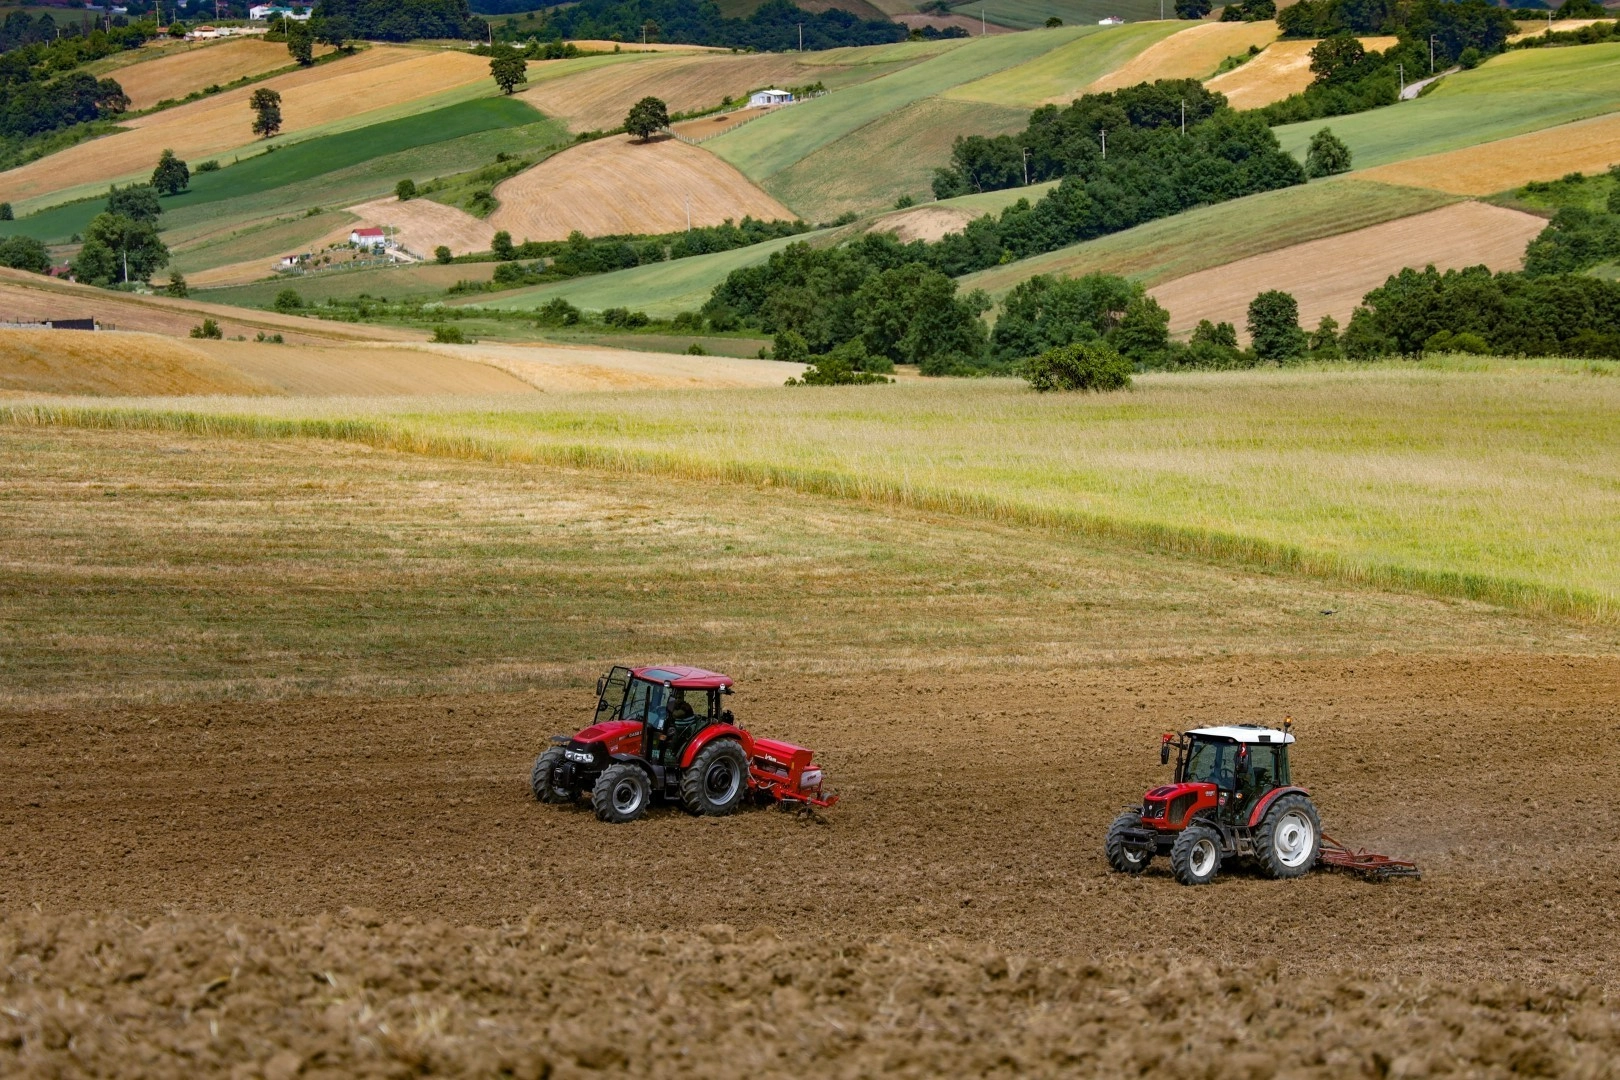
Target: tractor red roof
(685,678)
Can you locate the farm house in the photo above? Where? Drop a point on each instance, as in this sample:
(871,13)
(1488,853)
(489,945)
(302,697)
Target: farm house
(769,97)
(368,237)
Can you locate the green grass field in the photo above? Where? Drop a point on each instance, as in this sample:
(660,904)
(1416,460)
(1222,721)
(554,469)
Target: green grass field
(1173,247)
(265,239)
(1063,73)
(1490,480)
(1511,94)
(774,143)
(1027,14)
(426,280)
(894,155)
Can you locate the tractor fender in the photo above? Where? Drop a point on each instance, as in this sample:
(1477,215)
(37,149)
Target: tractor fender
(711,733)
(1260,808)
(638,761)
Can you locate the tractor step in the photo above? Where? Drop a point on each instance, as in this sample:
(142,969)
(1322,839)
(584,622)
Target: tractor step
(1335,856)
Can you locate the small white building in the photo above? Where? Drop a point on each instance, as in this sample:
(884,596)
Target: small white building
(368,237)
(769,97)
(1112,20)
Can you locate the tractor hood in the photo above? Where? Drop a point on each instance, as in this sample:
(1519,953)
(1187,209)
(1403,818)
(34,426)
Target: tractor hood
(612,733)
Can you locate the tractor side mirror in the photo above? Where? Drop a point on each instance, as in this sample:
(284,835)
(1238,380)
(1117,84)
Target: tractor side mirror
(1164,753)
(1241,766)
(726,717)
(601,686)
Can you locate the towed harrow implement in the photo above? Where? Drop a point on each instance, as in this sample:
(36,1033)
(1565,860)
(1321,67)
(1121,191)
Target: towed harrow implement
(1335,856)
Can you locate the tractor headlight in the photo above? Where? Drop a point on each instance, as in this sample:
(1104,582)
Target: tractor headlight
(583,756)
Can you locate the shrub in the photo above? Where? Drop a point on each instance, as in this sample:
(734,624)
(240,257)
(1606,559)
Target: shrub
(501,246)
(790,346)
(904,202)
(269,339)
(624,318)
(288,300)
(176,285)
(1445,341)
(25,253)
(558,312)
(449,335)
(1084,365)
(442,255)
(208,166)
(208,329)
(695,349)
(1327,155)
(687,320)
(831,370)
(1471,58)
(6,213)
(405,190)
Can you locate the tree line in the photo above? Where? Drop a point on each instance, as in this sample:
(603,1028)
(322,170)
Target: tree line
(41,93)
(400,20)
(772,27)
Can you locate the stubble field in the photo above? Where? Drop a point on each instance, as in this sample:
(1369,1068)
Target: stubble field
(269,812)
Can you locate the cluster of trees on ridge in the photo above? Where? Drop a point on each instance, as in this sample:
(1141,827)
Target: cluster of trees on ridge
(772,27)
(40,93)
(399,20)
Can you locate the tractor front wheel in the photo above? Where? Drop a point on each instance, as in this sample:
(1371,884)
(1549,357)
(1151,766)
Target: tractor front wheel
(621,793)
(1288,838)
(542,782)
(1196,855)
(1123,856)
(717,779)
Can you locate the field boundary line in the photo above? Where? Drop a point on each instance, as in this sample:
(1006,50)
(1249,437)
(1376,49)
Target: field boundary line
(1186,541)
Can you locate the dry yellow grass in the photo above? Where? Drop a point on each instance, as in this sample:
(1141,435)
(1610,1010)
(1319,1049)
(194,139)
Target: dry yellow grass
(600,98)
(177,75)
(570,368)
(618,185)
(1189,54)
(422,225)
(925,222)
(1282,70)
(1529,28)
(1584,146)
(601,45)
(25,296)
(376,78)
(361,370)
(103,363)
(1331,275)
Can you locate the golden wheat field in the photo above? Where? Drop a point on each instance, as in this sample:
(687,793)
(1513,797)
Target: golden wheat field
(601,97)
(175,76)
(1283,69)
(1331,275)
(1584,146)
(376,78)
(90,362)
(619,185)
(421,225)
(1189,54)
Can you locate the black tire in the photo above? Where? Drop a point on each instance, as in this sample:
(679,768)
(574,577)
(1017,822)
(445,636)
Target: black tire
(540,778)
(622,793)
(717,780)
(1120,856)
(1289,838)
(1195,857)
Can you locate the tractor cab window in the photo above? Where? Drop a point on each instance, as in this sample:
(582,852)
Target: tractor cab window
(612,695)
(1264,771)
(1211,762)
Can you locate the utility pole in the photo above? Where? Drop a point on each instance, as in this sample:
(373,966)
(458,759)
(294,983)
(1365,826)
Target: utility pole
(1105,143)
(983,30)
(1161,10)
(125,253)
(1402,69)
(1026,166)
(688,213)
(1431,54)
(1184,117)
(801,37)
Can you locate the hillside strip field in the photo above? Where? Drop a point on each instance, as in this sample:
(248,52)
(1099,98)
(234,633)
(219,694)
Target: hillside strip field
(621,185)
(86,362)
(378,78)
(1213,235)
(1192,53)
(1585,146)
(1061,74)
(1281,70)
(422,225)
(177,75)
(1331,275)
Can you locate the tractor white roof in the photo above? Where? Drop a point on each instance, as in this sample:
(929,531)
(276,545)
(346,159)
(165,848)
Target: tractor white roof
(1247,733)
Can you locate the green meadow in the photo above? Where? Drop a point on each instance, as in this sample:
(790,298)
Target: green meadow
(1028,14)
(1062,73)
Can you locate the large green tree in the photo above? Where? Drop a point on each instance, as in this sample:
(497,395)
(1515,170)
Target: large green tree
(24,253)
(508,69)
(266,106)
(1327,155)
(647,117)
(1274,330)
(118,249)
(139,202)
(300,43)
(172,175)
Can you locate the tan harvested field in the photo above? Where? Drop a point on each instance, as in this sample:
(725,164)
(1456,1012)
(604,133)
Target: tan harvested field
(914,21)
(603,45)
(1584,146)
(422,225)
(1193,53)
(363,370)
(924,222)
(91,362)
(177,75)
(25,296)
(619,185)
(705,127)
(599,99)
(571,368)
(376,78)
(1529,28)
(1331,275)
(1283,69)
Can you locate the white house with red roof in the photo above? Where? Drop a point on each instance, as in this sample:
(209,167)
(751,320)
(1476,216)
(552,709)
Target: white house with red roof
(368,237)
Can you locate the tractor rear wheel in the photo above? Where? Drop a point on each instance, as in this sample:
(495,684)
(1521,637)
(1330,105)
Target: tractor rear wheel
(621,794)
(1196,855)
(716,781)
(1288,838)
(1126,858)
(540,778)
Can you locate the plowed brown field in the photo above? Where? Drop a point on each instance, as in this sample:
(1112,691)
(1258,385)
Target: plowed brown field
(373,79)
(600,98)
(1330,276)
(361,885)
(1283,69)
(422,225)
(175,76)
(1584,146)
(1188,54)
(621,185)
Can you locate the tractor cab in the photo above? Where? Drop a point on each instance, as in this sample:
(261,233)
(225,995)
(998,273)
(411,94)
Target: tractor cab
(671,705)
(1243,762)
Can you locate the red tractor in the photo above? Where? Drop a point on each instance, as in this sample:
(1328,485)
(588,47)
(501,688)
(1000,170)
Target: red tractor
(1231,799)
(660,732)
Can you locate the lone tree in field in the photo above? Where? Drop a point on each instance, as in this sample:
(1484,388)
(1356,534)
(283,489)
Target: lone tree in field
(1192,9)
(647,118)
(300,43)
(1327,155)
(1274,329)
(172,176)
(405,190)
(508,70)
(266,106)
(1085,365)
